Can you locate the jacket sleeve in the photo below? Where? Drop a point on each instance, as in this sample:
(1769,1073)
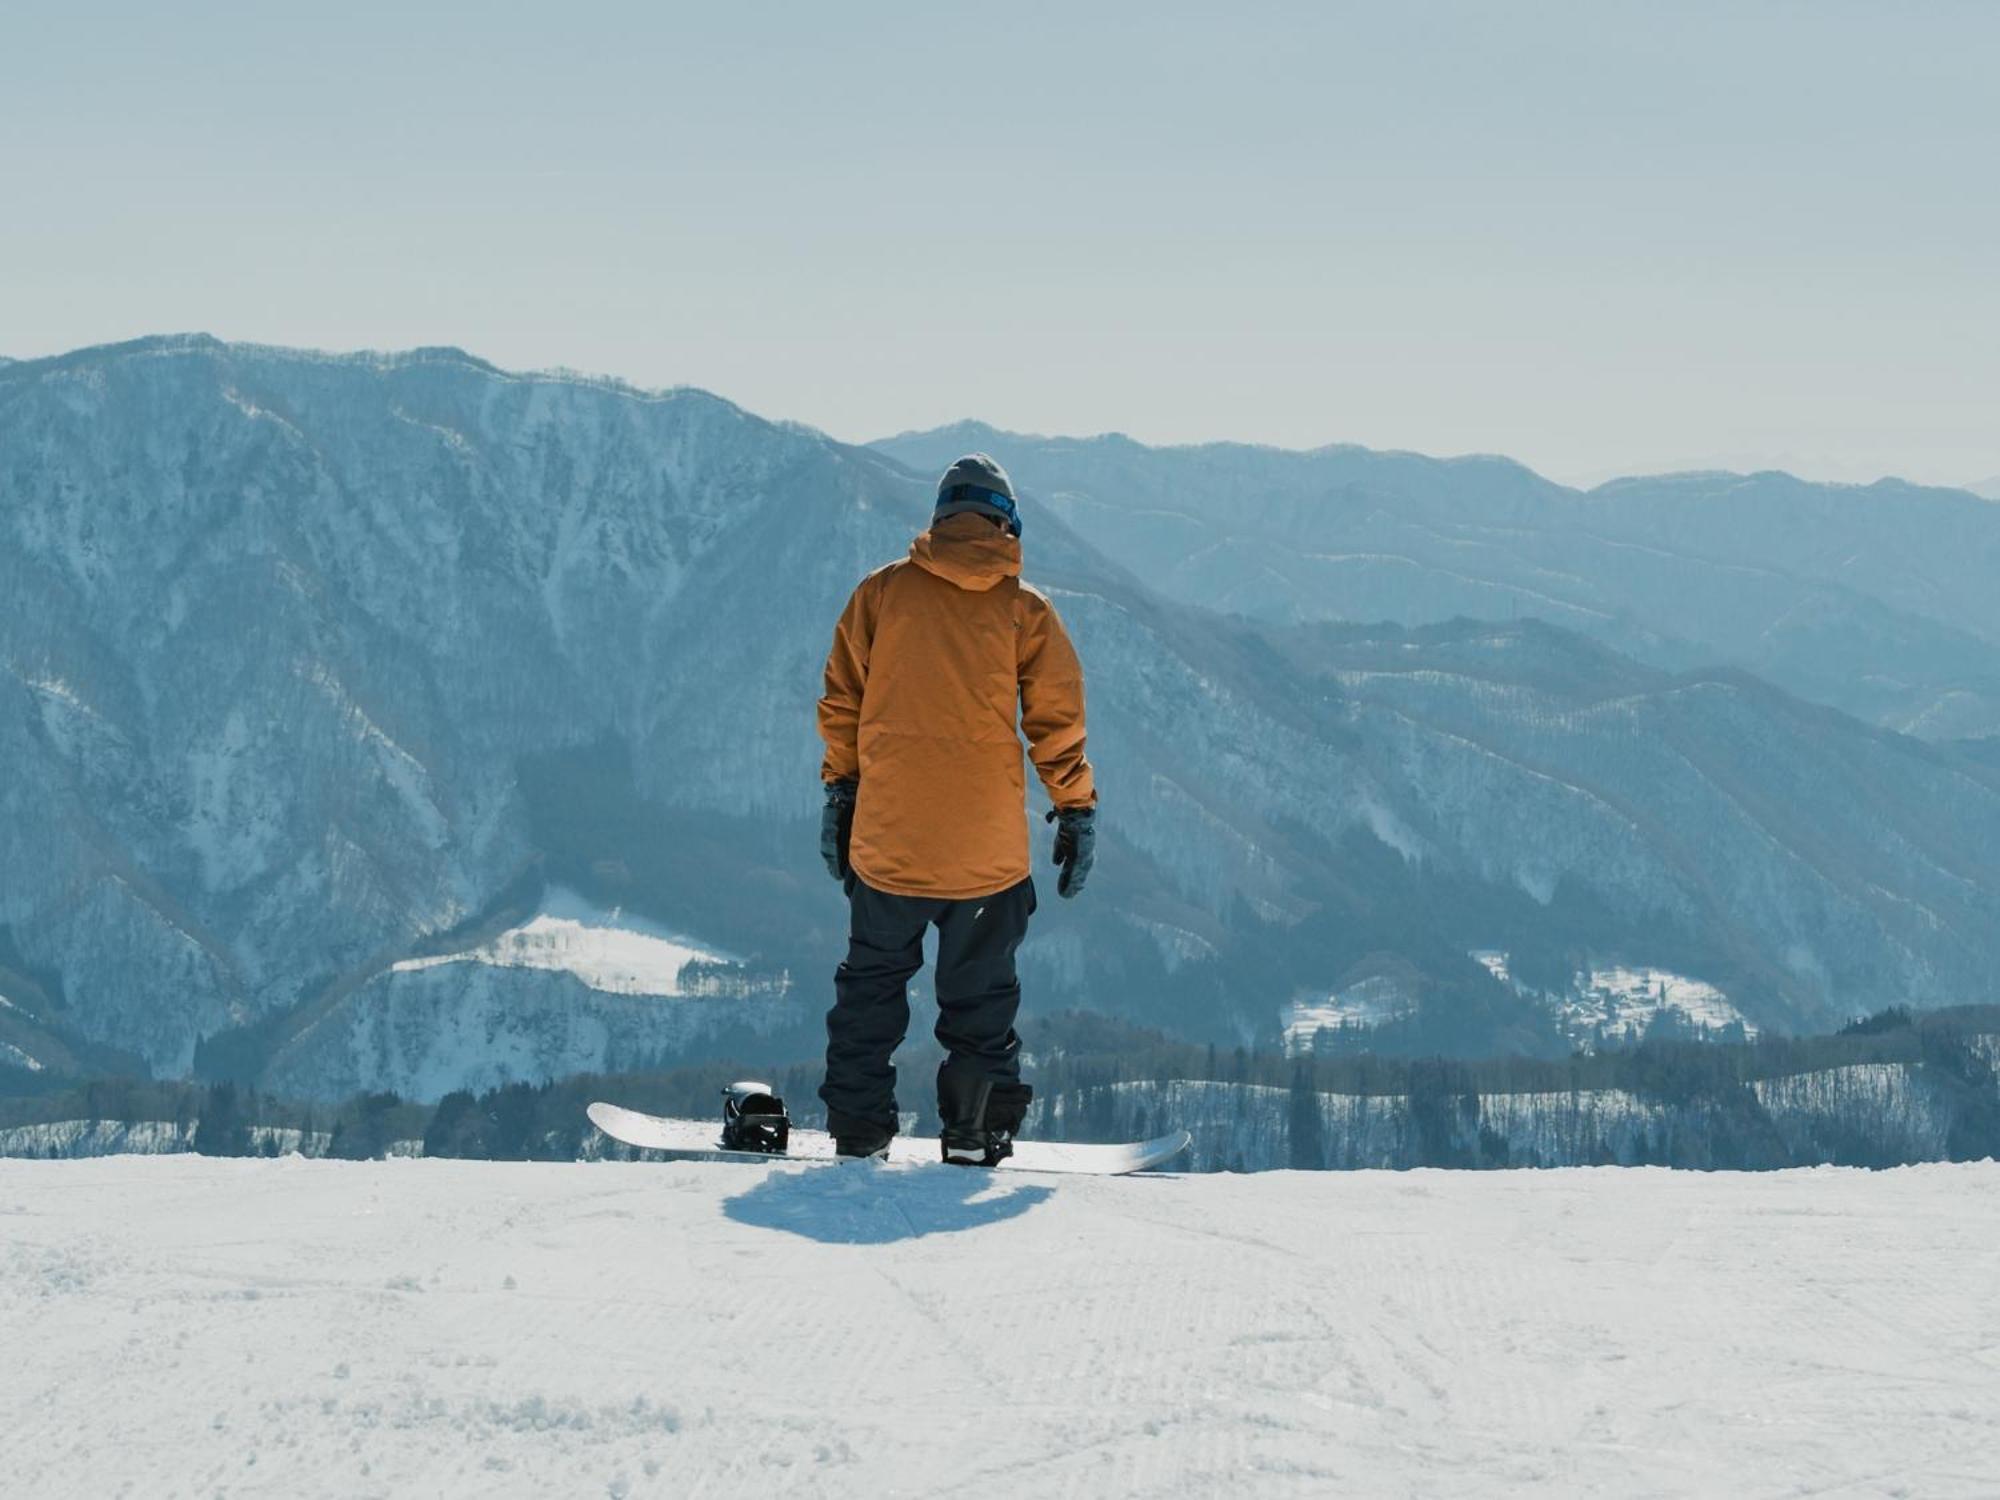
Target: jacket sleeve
(1052,704)
(846,676)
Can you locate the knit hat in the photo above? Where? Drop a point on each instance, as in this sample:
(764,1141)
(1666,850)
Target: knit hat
(977,483)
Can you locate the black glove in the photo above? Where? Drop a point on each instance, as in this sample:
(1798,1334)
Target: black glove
(836,823)
(1076,846)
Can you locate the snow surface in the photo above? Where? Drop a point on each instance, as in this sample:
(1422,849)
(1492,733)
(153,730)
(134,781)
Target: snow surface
(185,1326)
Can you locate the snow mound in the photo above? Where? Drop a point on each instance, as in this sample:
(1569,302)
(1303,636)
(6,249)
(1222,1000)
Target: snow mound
(297,1328)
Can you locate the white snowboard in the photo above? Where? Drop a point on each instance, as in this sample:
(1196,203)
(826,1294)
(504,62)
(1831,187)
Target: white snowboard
(704,1138)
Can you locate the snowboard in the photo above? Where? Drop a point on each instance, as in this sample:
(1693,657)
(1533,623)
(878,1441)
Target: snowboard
(704,1138)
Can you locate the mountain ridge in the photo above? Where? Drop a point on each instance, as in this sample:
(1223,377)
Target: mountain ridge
(978,431)
(1872,598)
(972,428)
(313,658)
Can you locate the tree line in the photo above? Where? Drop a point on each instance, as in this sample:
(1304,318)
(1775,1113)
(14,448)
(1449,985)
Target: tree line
(1735,1104)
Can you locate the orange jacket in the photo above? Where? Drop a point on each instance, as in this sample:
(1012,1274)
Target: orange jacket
(940,663)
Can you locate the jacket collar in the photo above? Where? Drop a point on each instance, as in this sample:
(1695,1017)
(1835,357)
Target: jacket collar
(968,550)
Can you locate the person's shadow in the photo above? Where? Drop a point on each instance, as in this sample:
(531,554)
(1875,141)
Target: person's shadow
(865,1203)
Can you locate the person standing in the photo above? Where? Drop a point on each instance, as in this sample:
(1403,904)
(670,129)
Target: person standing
(941,663)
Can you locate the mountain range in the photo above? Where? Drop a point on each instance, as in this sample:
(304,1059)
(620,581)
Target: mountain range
(1875,599)
(396,721)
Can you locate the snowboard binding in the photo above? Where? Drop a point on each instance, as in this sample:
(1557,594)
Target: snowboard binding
(754,1119)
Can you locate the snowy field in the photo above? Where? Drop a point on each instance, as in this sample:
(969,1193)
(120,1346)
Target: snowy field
(192,1327)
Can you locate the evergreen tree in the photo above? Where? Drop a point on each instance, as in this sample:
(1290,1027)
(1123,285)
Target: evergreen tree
(368,1131)
(223,1126)
(1306,1127)
(459,1127)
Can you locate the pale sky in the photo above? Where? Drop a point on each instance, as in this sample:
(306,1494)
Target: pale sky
(1600,238)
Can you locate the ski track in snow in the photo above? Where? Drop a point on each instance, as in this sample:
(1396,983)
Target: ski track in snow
(184,1326)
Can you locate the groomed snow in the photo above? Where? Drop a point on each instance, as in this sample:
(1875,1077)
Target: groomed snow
(184,1326)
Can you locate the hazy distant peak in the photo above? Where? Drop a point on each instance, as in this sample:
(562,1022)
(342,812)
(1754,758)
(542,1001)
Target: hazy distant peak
(971,433)
(1448,460)
(970,427)
(1704,480)
(1708,483)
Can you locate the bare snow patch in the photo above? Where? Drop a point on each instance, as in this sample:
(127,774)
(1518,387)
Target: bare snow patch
(1177,945)
(1390,829)
(1620,1003)
(1371,1001)
(257,413)
(608,950)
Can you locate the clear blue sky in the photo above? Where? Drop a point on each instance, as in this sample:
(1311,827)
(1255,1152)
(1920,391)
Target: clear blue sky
(1598,237)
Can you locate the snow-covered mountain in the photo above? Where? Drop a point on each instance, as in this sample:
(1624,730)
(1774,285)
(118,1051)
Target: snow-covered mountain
(1876,599)
(317,672)
(281,631)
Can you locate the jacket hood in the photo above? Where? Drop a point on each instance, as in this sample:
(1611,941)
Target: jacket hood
(968,550)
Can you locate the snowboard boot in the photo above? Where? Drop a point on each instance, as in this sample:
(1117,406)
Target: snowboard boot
(858,1140)
(975,1148)
(979,1120)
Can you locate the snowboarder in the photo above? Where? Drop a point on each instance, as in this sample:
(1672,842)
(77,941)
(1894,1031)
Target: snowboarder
(941,662)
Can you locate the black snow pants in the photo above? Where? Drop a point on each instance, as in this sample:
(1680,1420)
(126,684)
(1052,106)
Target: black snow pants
(978,995)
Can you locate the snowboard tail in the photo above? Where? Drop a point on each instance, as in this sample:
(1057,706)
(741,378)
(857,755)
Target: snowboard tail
(704,1138)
